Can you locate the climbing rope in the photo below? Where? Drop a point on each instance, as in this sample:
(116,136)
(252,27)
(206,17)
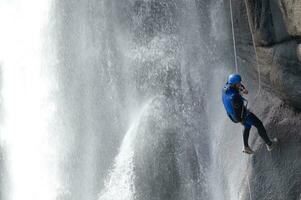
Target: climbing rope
(249,162)
(236,68)
(253,42)
(254,46)
(233,37)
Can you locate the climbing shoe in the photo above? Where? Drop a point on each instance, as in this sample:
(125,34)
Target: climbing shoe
(273,145)
(247,150)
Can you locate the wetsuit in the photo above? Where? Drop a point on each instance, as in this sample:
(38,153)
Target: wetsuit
(238,113)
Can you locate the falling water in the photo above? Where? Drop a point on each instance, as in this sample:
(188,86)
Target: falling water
(78,122)
(120,185)
(29,153)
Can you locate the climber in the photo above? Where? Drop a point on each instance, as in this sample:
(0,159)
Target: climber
(238,112)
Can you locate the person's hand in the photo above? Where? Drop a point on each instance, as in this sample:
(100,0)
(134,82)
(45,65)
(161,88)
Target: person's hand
(245,91)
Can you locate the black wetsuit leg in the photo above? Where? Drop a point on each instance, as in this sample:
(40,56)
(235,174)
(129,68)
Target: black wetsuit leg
(252,120)
(246,133)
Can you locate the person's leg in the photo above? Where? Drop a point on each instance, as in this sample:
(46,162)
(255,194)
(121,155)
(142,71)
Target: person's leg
(252,119)
(246,133)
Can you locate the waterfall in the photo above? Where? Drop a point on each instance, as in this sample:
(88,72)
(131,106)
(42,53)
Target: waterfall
(29,156)
(78,122)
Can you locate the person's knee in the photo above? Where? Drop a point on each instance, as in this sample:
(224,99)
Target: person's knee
(247,127)
(257,122)
(260,127)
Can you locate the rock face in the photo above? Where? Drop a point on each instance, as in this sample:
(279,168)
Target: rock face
(291,12)
(167,165)
(276,174)
(277,31)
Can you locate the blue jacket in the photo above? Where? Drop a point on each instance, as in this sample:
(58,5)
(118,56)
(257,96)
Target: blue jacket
(233,103)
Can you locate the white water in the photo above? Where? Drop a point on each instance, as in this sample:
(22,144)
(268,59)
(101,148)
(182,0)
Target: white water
(46,162)
(120,183)
(30,148)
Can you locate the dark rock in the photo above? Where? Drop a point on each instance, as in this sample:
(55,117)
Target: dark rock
(260,17)
(167,165)
(299,52)
(285,74)
(291,12)
(276,29)
(275,175)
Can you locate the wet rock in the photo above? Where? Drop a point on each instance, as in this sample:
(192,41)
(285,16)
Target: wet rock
(277,29)
(291,12)
(299,52)
(276,26)
(261,19)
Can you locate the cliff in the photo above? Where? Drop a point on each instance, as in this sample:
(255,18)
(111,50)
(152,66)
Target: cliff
(277,31)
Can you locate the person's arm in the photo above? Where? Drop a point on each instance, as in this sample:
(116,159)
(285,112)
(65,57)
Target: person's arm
(237,104)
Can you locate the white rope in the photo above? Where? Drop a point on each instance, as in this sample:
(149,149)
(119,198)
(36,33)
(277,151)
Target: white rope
(254,46)
(253,42)
(233,37)
(259,79)
(249,162)
(236,68)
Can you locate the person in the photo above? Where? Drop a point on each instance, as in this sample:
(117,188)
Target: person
(237,111)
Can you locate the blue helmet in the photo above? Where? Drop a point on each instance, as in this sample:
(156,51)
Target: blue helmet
(234,78)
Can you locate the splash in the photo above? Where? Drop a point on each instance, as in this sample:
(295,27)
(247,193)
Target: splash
(120,184)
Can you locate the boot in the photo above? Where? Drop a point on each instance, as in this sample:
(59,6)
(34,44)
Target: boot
(247,150)
(273,145)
